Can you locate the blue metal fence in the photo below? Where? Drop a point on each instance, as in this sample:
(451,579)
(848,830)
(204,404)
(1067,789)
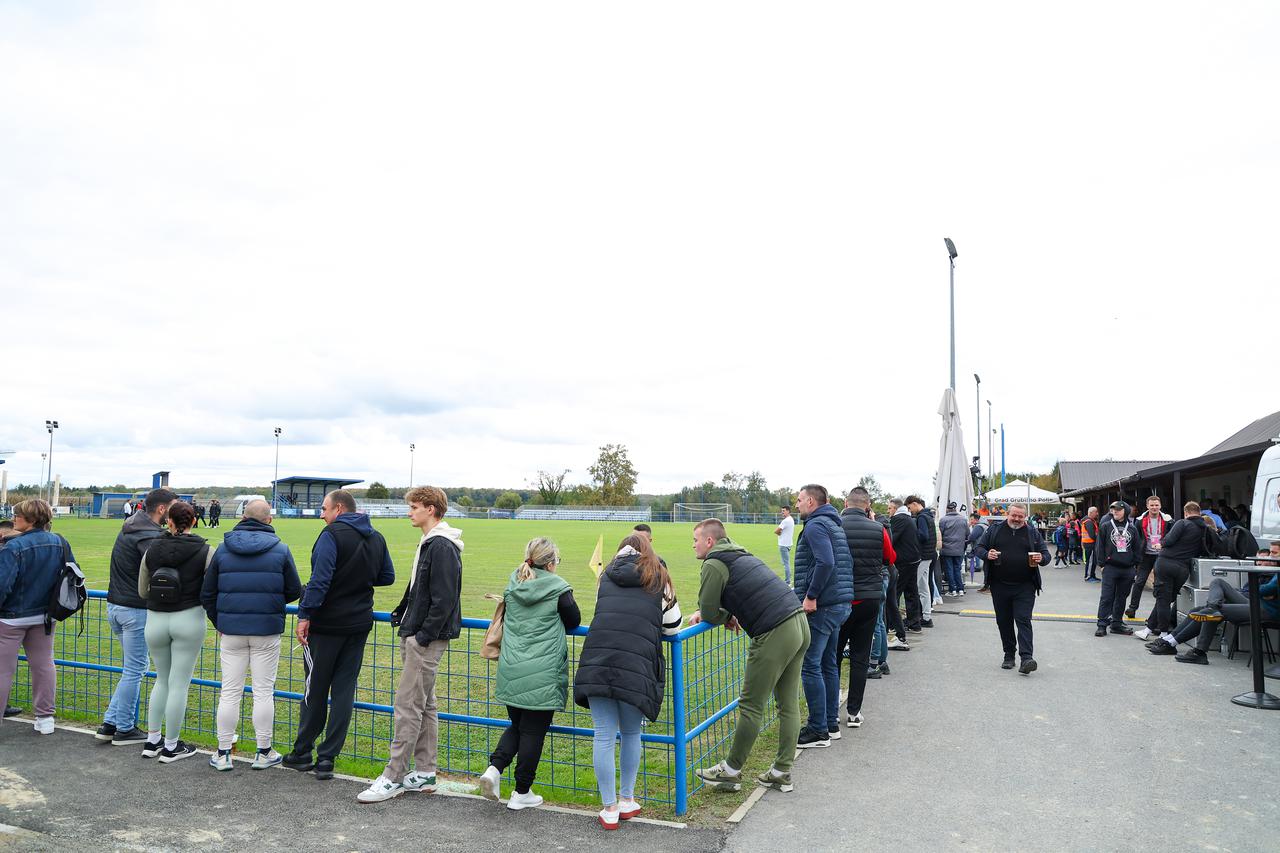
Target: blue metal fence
(704,678)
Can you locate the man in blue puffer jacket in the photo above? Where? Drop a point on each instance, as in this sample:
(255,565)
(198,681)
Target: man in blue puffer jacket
(824,585)
(246,587)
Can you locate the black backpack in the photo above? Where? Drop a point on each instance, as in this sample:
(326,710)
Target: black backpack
(166,586)
(68,595)
(1237,543)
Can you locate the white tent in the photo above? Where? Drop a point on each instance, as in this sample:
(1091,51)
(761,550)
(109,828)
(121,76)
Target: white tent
(954,481)
(1021,492)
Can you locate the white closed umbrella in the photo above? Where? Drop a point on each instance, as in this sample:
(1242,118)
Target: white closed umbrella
(954,481)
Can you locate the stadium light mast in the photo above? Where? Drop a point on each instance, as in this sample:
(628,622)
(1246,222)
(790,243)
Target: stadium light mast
(50,426)
(411,446)
(40,482)
(275,483)
(977,408)
(951,250)
(991,443)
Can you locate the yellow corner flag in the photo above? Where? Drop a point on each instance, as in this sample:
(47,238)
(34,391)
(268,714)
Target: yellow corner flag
(597,558)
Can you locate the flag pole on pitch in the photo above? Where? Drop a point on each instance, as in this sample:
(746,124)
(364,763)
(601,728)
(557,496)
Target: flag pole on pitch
(597,558)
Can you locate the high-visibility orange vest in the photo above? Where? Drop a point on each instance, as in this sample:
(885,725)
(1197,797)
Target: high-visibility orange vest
(1086,535)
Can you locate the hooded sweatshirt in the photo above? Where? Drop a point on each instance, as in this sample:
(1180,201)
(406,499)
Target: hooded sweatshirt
(431,607)
(348,560)
(250,580)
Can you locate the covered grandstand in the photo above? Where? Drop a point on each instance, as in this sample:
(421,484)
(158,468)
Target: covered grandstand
(632,514)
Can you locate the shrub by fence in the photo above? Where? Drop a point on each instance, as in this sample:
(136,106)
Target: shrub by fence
(704,678)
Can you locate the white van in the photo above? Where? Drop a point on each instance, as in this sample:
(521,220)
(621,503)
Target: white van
(241,500)
(1265,524)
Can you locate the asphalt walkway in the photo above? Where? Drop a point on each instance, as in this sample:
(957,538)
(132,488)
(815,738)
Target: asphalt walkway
(1104,748)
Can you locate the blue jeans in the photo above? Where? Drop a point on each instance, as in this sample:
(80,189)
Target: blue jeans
(611,718)
(129,624)
(952,566)
(820,673)
(880,640)
(785,551)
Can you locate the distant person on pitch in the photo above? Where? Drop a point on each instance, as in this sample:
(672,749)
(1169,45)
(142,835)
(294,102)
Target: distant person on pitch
(127,616)
(335,617)
(1014,552)
(785,532)
(429,616)
(248,584)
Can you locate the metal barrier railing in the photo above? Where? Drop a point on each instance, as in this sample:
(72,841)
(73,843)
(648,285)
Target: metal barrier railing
(704,678)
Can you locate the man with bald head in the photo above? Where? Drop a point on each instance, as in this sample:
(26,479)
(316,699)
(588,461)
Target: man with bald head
(246,587)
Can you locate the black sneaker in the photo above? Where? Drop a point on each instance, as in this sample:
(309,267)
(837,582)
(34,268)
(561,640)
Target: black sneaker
(1101,632)
(301,763)
(180,751)
(1132,613)
(1162,647)
(1193,656)
(873,672)
(884,668)
(810,739)
(833,731)
(1007,663)
(132,737)
(151,750)
(106,731)
(1121,628)
(324,768)
(1029,666)
(928,623)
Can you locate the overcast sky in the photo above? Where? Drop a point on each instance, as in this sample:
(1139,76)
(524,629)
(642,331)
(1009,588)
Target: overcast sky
(712,232)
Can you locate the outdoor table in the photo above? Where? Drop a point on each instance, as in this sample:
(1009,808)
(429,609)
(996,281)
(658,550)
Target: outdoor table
(1259,697)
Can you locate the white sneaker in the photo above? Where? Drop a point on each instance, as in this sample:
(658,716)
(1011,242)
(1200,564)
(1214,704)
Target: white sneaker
(218,761)
(900,645)
(44,725)
(381,789)
(422,782)
(855,720)
(263,760)
(490,782)
(608,819)
(960,593)
(1143,633)
(520,801)
(628,809)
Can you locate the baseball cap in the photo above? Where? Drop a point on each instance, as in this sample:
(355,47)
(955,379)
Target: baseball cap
(951,505)
(1119,505)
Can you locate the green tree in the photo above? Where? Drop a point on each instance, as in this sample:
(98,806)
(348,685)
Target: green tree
(550,487)
(507,500)
(614,476)
(376,491)
(465,500)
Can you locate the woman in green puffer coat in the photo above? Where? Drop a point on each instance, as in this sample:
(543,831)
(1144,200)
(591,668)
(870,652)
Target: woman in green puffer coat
(533,667)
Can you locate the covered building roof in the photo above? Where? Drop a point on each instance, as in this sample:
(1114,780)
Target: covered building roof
(1082,475)
(336,482)
(1261,431)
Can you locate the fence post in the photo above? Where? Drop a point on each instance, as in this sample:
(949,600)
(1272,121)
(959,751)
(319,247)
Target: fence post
(681,742)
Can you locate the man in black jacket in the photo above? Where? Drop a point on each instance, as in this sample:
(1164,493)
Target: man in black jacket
(1014,552)
(867,540)
(1182,544)
(127,615)
(927,535)
(335,617)
(906,544)
(429,616)
(1118,551)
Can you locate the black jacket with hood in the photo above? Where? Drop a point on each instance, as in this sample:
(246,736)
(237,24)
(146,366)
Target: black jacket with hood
(137,534)
(431,607)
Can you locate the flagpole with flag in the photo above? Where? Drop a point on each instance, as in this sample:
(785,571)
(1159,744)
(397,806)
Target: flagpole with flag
(597,558)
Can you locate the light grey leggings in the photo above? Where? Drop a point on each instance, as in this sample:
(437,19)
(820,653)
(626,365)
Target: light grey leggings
(175,640)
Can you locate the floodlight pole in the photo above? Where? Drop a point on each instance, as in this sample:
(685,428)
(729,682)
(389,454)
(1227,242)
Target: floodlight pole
(1002,456)
(991,431)
(977,424)
(274,483)
(951,250)
(411,448)
(40,482)
(50,426)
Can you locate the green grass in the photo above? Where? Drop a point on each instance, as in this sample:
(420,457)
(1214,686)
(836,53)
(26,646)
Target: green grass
(493,549)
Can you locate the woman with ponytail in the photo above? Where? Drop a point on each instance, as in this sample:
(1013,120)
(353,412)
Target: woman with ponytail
(533,667)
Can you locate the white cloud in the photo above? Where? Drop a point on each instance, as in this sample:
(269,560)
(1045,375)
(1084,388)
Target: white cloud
(514,232)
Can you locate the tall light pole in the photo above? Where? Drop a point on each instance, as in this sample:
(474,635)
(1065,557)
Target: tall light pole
(411,446)
(1002,456)
(50,426)
(951,250)
(977,408)
(274,483)
(40,482)
(991,437)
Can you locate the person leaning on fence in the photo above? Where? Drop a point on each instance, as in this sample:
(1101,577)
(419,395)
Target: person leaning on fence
(739,591)
(621,670)
(127,615)
(533,667)
(249,581)
(335,617)
(428,617)
(170,579)
(30,566)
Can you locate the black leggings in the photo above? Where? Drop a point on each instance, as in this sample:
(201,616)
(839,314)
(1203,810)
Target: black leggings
(856,633)
(523,739)
(892,615)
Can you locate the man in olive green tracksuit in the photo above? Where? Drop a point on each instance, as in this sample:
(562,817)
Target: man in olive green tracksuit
(740,591)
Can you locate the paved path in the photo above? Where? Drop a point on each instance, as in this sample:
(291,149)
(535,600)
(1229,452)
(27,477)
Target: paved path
(1105,748)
